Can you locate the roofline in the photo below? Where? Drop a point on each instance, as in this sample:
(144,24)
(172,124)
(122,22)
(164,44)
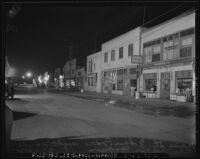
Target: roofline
(167,21)
(139,27)
(97,53)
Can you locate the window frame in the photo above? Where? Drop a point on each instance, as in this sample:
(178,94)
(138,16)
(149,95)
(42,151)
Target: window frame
(112,55)
(130,49)
(121,52)
(105,57)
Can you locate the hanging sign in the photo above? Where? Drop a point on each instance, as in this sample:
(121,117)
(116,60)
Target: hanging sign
(136,59)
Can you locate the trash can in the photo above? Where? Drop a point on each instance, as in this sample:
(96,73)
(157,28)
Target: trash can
(137,95)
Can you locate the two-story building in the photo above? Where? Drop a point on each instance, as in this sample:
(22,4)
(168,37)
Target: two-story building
(70,66)
(94,68)
(168,54)
(119,74)
(81,77)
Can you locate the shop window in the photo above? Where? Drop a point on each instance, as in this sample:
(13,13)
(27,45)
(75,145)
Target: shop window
(113,55)
(120,52)
(119,84)
(149,84)
(105,57)
(183,84)
(130,49)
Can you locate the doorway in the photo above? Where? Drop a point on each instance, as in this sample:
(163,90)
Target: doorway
(165,85)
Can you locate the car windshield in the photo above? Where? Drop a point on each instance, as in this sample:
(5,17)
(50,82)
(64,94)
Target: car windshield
(91,79)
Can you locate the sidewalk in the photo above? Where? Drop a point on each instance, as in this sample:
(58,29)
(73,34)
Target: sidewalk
(131,99)
(144,105)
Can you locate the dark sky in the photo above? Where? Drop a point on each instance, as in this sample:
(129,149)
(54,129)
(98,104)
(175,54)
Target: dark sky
(42,33)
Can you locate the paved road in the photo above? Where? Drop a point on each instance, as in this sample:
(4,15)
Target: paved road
(53,115)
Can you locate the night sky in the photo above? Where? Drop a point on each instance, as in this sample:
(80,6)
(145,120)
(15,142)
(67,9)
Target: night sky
(41,33)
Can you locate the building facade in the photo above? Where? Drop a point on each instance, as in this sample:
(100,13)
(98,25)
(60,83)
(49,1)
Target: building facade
(119,75)
(81,77)
(168,57)
(94,68)
(70,67)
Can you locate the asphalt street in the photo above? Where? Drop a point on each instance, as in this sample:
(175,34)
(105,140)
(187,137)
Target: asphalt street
(39,113)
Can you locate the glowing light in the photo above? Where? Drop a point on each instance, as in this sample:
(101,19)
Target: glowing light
(23,77)
(29,74)
(40,79)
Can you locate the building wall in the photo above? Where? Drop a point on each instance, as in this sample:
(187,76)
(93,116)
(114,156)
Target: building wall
(121,41)
(94,69)
(172,26)
(66,69)
(131,37)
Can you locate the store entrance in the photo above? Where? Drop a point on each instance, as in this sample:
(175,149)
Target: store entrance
(165,85)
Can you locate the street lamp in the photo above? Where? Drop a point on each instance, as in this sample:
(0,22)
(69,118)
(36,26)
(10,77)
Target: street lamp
(29,74)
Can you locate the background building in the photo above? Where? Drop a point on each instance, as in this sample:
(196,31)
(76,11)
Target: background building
(70,76)
(81,77)
(94,68)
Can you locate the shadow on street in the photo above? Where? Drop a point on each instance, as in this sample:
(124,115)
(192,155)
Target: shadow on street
(21,115)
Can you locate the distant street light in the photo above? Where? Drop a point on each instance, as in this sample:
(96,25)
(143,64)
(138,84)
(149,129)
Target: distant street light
(29,74)
(23,77)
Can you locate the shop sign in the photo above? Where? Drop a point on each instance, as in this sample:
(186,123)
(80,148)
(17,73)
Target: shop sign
(184,74)
(136,59)
(150,76)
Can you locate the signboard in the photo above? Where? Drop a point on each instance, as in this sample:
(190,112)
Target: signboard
(136,59)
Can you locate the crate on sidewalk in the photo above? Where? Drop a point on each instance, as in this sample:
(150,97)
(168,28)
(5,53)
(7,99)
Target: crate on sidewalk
(173,97)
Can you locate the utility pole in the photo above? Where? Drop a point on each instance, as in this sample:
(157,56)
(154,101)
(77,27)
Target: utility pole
(70,46)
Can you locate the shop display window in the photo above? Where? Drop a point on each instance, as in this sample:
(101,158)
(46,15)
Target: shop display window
(183,85)
(149,84)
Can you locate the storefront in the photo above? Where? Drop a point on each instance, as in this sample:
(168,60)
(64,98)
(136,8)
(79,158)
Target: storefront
(150,85)
(183,81)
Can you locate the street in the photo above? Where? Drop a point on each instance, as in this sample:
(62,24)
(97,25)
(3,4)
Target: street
(42,114)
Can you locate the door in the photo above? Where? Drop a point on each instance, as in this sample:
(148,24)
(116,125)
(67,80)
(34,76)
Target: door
(165,85)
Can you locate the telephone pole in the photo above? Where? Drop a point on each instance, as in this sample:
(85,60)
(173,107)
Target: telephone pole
(70,46)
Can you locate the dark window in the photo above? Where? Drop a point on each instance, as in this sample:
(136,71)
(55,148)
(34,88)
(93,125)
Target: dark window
(120,52)
(120,72)
(187,32)
(130,49)
(155,57)
(133,83)
(132,70)
(164,39)
(119,84)
(113,55)
(105,57)
(170,37)
(186,52)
